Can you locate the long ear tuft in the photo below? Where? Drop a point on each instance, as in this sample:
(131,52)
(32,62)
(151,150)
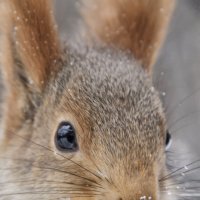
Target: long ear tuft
(134,25)
(30,56)
(34,45)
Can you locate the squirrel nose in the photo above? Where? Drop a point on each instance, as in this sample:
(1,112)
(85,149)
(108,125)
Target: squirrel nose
(138,198)
(136,194)
(132,196)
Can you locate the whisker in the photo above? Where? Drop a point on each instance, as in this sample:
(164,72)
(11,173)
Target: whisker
(61,192)
(63,189)
(182,118)
(188,195)
(47,181)
(181,102)
(180,128)
(73,188)
(185,172)
(182,183)
(49,149)
(178,170)
(57,170)
(187,189)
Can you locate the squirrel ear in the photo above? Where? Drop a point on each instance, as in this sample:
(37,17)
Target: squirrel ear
(30,56)
(30,42)
(134,25)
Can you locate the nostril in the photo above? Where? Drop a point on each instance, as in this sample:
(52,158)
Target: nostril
(120,199)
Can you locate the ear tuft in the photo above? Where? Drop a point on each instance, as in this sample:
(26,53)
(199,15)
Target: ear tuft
(34,40)
(134,25)
(30,56)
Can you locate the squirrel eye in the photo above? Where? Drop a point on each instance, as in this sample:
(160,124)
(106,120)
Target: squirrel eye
(65,139)
(168,140)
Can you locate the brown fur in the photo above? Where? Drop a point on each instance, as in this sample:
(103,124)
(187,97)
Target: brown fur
(103,91)
(138,26)
(31,43)
(35,38)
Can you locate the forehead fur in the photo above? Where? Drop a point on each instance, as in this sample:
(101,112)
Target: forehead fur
(113,95)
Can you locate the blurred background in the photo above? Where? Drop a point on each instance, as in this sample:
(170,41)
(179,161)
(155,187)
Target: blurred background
(176,73)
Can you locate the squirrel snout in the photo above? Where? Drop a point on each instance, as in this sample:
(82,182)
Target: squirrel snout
(145,189)
(138,196)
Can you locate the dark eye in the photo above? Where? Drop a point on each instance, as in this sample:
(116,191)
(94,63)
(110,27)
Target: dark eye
(168,140)
(66,137)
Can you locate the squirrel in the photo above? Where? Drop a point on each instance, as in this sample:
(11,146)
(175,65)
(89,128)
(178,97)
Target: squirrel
(83,121)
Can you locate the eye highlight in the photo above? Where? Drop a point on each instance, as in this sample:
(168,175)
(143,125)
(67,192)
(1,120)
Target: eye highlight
(168,140)
(65,138)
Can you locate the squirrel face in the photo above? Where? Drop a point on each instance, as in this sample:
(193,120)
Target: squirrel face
(118,122)
(88,126)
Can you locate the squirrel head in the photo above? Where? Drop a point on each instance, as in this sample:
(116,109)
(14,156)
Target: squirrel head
(86,118)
